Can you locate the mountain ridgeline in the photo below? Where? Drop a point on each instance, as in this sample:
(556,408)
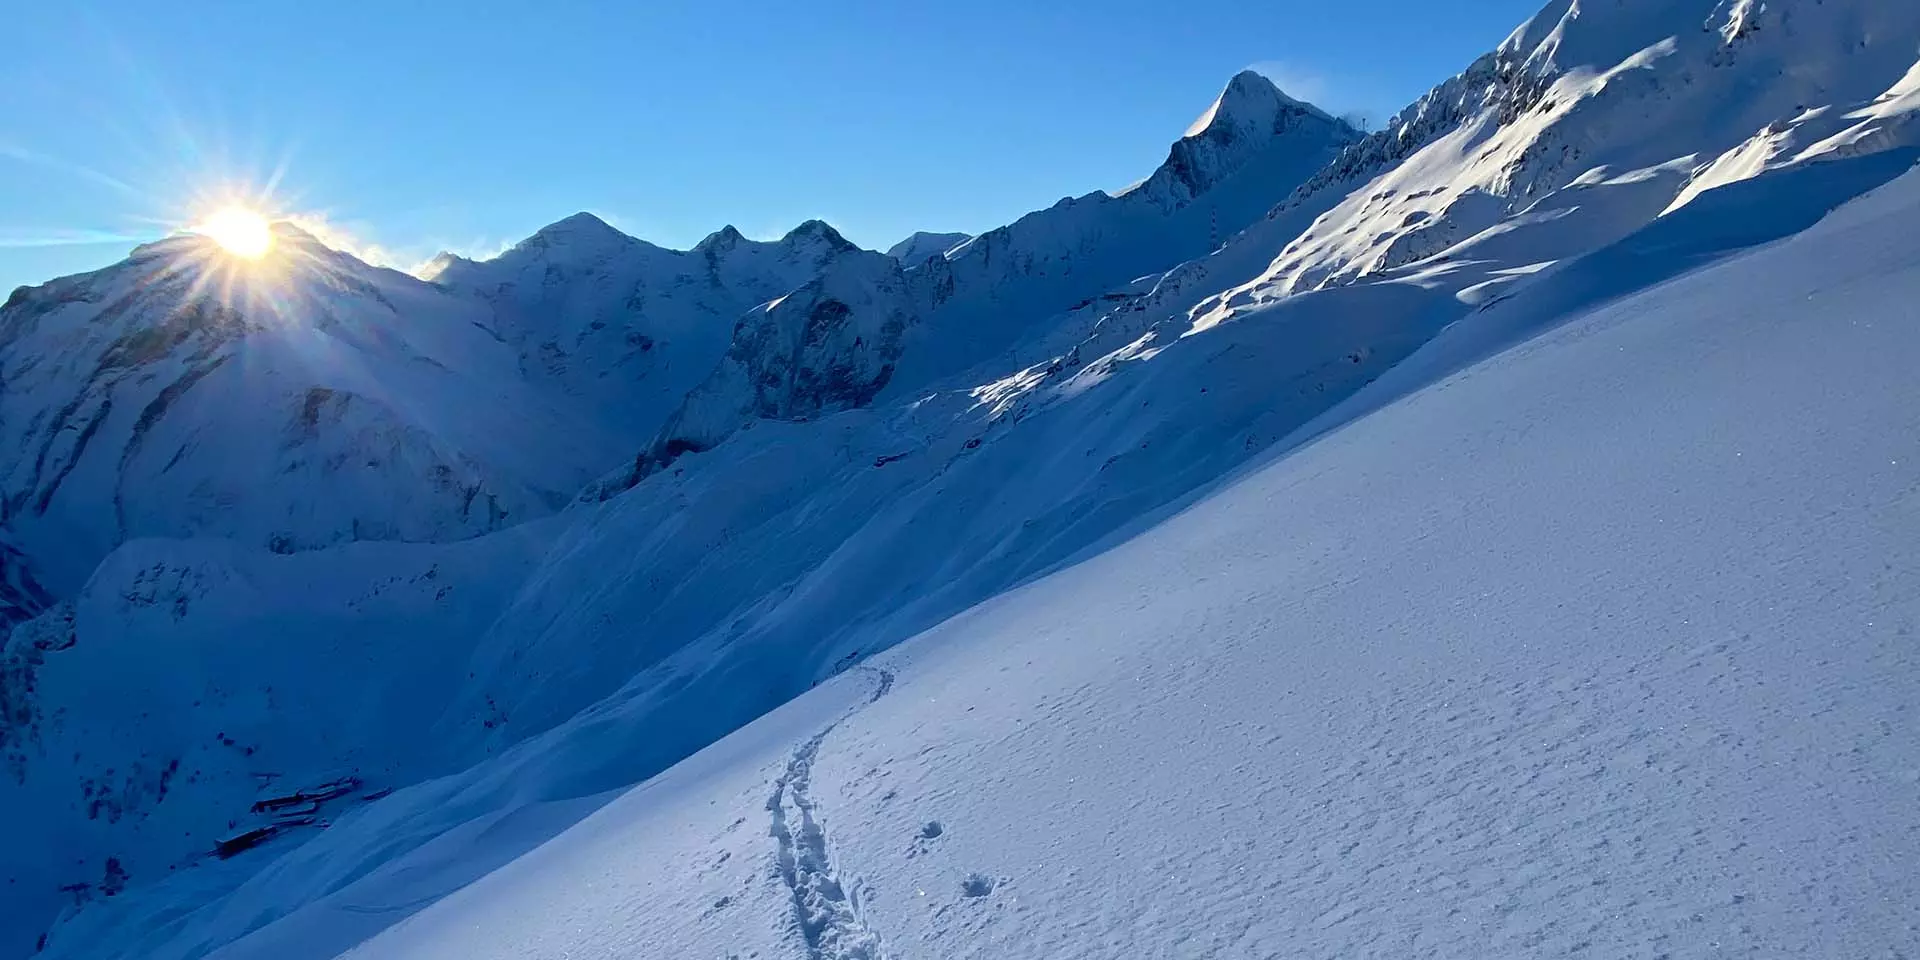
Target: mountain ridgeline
(423,553)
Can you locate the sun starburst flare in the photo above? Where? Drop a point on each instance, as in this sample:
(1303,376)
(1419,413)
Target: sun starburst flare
(244,253)
(239,231)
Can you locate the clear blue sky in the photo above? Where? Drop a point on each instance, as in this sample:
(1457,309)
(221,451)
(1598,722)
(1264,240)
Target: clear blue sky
(416,125)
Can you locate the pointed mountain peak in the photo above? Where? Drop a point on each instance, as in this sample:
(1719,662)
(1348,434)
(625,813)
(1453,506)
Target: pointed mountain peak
(817,231)
(578,238)
(1249,117)
(1249,101)
(1250,82)
(580,227)
(723,239)
(437,267)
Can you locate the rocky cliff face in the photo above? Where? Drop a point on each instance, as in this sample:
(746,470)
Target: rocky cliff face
(21,595)
(830,345)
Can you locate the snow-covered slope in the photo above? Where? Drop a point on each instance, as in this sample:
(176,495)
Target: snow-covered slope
(892,444)
(189,679)
(1462,679)
(830,344)
(303,401)
(1602,645)
(1586,124)
(923,246)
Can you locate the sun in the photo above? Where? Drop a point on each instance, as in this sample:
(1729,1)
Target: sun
(238,231)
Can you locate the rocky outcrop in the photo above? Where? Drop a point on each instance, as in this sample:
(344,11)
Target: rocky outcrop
(830,345)
(21,595)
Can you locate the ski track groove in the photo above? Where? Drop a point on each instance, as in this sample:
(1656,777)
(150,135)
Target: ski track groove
(826,911)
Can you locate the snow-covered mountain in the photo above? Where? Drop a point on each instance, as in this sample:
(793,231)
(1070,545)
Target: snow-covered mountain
(1005,285)
(1219,459)
(1587,124)
(304,402)
(580,320)
(1604,646)
(828,346)
(626,326)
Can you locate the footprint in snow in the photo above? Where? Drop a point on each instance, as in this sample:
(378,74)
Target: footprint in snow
(923,838)
(978,885)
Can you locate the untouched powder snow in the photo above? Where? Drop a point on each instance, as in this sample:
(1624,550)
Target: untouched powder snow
(1606,644)
(1361,635)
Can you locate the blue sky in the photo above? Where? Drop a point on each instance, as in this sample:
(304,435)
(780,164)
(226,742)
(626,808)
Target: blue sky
(413,126)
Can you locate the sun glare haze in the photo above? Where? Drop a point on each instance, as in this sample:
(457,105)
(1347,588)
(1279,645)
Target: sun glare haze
(239,231)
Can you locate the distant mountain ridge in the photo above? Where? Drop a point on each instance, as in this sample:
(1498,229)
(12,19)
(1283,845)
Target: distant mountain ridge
(923,245)
(626,326)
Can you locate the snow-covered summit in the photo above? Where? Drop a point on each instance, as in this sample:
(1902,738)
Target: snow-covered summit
(923,245)
(723,239)
(582,229)
(815,232)
(1251,146)
(1249,100)
(1249,114)
(578,242)
(303,400)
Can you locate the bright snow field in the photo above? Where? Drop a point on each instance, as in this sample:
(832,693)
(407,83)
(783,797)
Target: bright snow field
(1602,646)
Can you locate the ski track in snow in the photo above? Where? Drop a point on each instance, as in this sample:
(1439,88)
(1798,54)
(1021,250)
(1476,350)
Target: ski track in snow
(825,909)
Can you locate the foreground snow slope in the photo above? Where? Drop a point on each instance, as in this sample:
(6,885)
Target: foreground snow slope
(1606,644)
